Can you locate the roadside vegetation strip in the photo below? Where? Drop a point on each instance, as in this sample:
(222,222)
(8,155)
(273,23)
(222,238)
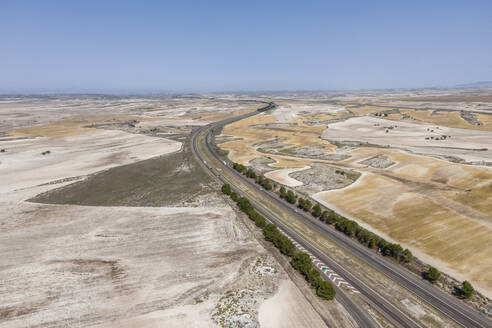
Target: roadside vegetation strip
(301,261)
(350,228)
(341,223)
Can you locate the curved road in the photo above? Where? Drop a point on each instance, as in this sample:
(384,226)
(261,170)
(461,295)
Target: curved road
(445,303)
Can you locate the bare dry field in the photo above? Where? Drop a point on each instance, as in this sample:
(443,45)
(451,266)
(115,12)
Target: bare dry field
(434,196)
(106,221)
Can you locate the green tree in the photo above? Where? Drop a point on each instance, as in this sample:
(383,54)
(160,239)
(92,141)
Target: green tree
(406,256)
(313,276)
(266,184)
(291,197)
(330,217)
(326,290)
(285,245)
(270,232)
(301,262)
(226,189)
(466,290)
(250,173)
(317,210)
(244,204)
(323,216)
(307,205)
(283,192)
(432,274)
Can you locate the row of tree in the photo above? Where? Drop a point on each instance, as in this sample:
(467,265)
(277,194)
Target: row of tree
(250,173)
(351,229)
(367,238)
(300,260)
(303,263)
(341,223)
(348,227)
(288,195)
(304,204)
(465,291)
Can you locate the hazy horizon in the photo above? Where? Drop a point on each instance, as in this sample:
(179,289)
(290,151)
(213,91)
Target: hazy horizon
(219,46)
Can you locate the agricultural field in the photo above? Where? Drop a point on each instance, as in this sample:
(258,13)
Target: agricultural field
(413,166)
(106,220)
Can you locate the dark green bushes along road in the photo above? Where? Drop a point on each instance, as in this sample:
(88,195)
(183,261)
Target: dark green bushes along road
(341,223)
(300,260)
(351,229)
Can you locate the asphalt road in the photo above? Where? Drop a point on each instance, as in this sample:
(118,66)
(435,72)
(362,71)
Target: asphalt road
(360,316)
(445,303)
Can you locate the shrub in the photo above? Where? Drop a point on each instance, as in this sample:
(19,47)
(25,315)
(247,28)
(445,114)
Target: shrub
(305,204)
(270,232)
(244,204)
(251,174)
(347,226)
(406,256)
(226,189)
(285,245)
(329,216)
(239,167)
(301,262)
(326,290)
(283,192)
(266,184)
(317,210)
(466,290)
(291,197)
(432,274)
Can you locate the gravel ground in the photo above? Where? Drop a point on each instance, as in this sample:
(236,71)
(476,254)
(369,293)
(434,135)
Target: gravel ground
(378,162)
(323,177)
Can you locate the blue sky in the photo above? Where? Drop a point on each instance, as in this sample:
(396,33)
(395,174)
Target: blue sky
(203,46)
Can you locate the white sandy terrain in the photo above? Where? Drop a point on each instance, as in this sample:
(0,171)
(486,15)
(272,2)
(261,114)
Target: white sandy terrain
(287,112)
(282,176)
(190,316)
(69,265)
(461,143)
(64,265)
(283,310)
(23,165)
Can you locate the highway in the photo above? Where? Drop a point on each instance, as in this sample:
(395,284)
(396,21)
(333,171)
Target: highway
(445,303)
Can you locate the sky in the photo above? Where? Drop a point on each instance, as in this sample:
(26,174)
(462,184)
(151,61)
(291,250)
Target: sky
(214,46)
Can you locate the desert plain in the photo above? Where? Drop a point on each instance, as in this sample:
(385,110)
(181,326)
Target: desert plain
(107,220)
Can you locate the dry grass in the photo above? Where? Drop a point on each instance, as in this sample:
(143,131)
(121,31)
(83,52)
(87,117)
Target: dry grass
(448,119)
(391,207)
(448,98)
(366,110)
(72,126)
(441,210)
(242,151)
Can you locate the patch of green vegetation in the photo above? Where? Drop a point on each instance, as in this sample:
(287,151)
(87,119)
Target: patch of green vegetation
(160,181)
(351,175)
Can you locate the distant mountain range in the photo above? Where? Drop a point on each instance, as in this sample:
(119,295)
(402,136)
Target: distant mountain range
(481,84)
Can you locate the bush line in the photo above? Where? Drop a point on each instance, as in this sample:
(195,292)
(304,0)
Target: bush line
(299,260)
(351,229)
(341,223)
